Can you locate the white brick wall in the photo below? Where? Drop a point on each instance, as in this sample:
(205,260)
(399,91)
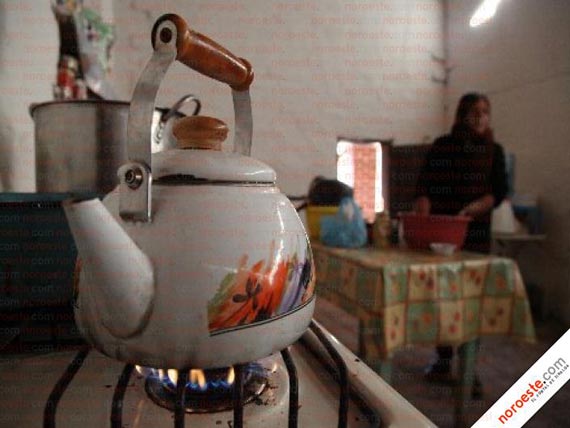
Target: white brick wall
(323,69)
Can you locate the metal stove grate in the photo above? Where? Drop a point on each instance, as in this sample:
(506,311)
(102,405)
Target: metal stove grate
(179,413)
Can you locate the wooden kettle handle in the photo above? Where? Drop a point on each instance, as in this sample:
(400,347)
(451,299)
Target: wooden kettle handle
(206,56)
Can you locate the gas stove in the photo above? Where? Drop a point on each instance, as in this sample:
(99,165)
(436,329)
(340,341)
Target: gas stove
(316,382)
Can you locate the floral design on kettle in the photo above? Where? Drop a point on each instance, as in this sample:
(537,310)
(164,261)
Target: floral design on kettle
(267,289)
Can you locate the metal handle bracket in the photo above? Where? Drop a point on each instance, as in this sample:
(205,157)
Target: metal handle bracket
(135,203)
(135,184)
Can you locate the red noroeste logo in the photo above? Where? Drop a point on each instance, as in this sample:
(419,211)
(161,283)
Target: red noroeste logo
(536,388)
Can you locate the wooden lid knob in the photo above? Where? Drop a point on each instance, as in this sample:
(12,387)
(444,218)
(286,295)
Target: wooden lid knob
(200,132)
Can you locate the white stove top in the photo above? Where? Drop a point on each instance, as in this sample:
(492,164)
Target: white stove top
(25,385)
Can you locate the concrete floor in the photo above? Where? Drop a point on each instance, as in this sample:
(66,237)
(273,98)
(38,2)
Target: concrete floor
(502,361)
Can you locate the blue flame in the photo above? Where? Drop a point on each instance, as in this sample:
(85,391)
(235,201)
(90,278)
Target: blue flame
(212,384)
(193,386)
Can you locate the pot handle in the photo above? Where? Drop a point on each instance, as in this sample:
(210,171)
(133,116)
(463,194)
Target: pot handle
(204,55)
(31,109)
(171,112)
(178,104)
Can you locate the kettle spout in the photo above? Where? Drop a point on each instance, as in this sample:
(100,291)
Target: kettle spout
(115,271)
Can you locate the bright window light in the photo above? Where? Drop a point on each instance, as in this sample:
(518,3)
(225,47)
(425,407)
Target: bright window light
(484,12)
(378,196)
(345,163)
(360,167)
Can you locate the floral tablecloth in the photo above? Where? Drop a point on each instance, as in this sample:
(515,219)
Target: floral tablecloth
(404,297)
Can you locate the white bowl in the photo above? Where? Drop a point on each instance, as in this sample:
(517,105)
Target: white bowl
(443,248)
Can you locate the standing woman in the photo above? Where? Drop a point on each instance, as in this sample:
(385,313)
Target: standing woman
(464,173)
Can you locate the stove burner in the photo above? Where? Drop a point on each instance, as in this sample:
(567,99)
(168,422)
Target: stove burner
(208,391)
(255,372)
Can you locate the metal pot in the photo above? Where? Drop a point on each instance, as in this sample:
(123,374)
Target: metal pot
(80,145)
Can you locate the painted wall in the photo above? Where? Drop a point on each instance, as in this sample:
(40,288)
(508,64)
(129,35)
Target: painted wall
(29,48)
(323,69)
(521,59)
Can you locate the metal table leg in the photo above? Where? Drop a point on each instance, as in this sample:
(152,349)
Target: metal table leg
(381,366)
(467,360)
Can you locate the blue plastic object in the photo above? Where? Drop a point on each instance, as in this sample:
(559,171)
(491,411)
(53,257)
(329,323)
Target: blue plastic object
(345,229)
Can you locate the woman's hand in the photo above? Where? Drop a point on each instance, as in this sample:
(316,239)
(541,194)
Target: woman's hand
(479,206)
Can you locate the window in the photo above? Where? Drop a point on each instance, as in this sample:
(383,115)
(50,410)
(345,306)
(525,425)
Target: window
(362,164)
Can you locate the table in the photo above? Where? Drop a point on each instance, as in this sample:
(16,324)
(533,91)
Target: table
(404,297)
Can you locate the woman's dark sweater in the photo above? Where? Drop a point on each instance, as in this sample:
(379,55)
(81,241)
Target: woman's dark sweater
(458,171)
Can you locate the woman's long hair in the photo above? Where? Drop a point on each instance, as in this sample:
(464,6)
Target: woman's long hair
(460,129)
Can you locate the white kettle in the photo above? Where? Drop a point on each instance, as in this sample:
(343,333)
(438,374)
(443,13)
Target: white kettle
(196,260)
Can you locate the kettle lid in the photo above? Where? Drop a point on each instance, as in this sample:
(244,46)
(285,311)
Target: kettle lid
(199,158)
(199,166)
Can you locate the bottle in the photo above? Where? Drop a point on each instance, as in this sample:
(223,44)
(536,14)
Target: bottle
(382,230)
